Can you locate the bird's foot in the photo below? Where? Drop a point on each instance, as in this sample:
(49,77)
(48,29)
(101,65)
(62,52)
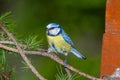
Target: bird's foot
(43,50)
(65,63)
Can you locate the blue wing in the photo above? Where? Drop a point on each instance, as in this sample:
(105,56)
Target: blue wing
(78,54)
(67,39)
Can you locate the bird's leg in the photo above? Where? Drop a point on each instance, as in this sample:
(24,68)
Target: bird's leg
(42,50)
(65,62)
(66,69)
(49,50)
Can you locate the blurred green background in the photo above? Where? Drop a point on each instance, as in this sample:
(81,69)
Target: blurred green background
(82,20)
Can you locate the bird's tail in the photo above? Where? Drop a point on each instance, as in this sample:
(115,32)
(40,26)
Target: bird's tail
(78,54)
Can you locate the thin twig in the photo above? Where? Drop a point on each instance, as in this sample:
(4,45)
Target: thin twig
(12,43)
(53,57)
(7,42)
(4,76)
(2,26)
(10,73)
(68,72)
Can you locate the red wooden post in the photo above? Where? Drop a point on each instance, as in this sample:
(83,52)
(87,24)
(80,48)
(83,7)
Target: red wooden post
(111,39)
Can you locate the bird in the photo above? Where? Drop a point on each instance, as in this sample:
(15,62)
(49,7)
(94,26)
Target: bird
(60,42)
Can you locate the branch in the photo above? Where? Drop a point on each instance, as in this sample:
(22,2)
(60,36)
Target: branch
(6,42)
(2,26)
(53,57)
(6,76)
(12,43)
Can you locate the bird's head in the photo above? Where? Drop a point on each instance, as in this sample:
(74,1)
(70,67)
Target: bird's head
(53,29)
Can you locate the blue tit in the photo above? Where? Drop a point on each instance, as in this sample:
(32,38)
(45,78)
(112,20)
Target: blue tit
(60,42)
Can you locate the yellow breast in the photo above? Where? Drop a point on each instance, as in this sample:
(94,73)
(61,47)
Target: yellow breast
(59,42)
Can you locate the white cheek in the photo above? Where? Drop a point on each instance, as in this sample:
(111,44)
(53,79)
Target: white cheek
(54,31)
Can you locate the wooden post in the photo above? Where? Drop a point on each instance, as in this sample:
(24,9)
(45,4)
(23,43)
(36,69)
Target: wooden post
(111,39)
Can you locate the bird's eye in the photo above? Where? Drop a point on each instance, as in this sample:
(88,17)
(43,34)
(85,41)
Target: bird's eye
(52,28)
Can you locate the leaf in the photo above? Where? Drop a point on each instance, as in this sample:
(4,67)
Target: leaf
(8,20)
(32,42)
(62,76)
(25,67)
(3,16)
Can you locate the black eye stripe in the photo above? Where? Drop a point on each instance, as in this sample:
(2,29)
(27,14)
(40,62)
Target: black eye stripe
(52,28)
